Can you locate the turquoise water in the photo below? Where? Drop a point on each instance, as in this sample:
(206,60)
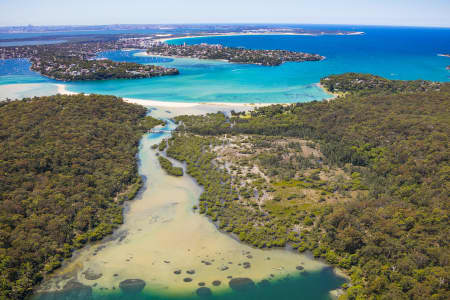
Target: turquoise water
(395,53)
(18,81)
(392,52)
(306,286)
(211,81)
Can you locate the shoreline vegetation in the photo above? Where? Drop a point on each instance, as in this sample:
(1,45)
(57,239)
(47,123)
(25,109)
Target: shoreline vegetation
(290,183)
(326,90)
(169,168)
(303,175)
(68,164)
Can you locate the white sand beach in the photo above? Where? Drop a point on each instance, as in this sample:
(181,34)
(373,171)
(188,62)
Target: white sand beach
(176,107)
(22,90)
(62,89)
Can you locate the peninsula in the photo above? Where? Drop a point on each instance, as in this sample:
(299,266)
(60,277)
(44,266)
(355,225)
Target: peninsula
(74,69)
(236,55)
(79,62)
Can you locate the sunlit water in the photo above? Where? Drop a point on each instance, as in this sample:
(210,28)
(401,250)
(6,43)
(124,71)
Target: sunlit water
(392,52)
(163,234)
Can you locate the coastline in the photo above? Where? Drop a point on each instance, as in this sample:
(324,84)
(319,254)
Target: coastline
(13,91)
(195,106)
(144,53)
(165,39)
(62,89)
(335,95)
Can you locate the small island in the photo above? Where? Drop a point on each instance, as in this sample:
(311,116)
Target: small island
(236,55)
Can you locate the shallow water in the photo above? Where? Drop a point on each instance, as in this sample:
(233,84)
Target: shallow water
(162,234)
(211,81)
(18,81)
(392,52)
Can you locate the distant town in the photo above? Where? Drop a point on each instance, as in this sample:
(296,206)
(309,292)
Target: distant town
(78,60)
(74,69)
(236,55)
(174,28)
(63,55)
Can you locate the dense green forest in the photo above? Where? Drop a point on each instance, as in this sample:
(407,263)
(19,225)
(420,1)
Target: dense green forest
(364,84)
(67,163)
(391,137)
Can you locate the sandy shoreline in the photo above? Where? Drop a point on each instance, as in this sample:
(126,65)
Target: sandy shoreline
(335,95)
(192,106)
(62,89)
(145,53)
(165,39)
(175,106)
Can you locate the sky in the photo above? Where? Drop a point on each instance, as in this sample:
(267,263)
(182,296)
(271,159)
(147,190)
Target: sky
(100,12)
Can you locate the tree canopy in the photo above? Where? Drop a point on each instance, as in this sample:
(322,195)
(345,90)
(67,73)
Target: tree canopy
(393,241)
(66,165)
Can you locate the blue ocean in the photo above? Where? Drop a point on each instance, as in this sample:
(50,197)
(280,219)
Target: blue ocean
(404,53)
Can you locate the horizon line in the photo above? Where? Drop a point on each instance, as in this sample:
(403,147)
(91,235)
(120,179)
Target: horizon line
(227,23)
